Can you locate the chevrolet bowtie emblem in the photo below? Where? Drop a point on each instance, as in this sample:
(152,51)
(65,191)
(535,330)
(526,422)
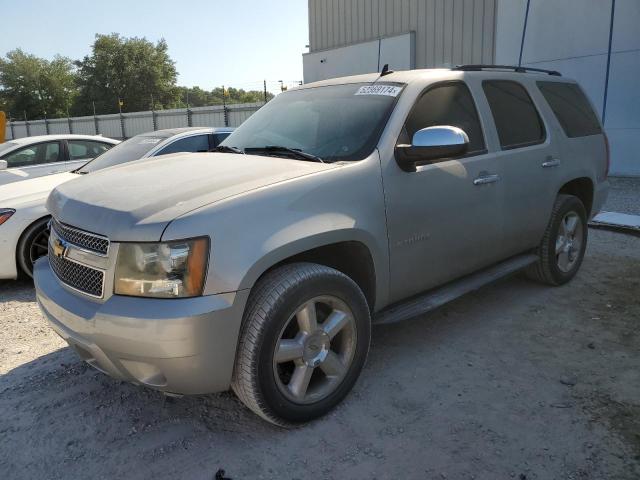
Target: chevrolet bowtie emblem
(59,248)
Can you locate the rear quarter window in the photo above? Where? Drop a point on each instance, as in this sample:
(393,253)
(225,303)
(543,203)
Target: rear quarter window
(571,108)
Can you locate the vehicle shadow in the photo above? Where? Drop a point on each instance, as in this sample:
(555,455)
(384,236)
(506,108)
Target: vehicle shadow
(475,379)
(59,415)
(21,290)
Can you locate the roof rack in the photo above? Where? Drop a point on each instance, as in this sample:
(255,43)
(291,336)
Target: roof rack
(476,68)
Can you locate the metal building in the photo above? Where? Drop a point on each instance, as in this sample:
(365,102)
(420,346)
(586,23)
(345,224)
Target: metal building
(597,42)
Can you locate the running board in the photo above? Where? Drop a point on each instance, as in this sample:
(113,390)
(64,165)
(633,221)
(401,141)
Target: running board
(426,302)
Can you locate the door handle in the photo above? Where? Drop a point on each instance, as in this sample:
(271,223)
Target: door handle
(483,180)
(551,162)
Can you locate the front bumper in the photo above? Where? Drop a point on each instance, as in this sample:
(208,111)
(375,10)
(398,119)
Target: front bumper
(184,346)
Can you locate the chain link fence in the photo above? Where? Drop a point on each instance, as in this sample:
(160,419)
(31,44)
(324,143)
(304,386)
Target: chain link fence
(127,125)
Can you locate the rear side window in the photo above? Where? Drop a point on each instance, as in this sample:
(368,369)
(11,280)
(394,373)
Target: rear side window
(447,104)
(195,143)
(81,149)
(219,137)
(516,118)
(571,108)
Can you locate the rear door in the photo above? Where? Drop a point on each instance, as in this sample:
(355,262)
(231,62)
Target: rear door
(583,149)
(81,151)
(530,163)
(444,219)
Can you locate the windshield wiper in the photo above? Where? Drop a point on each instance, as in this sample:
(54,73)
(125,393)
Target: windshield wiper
(226,149)
(296,152)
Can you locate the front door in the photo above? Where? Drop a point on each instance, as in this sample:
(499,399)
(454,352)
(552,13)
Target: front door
(34,160)
(445,219)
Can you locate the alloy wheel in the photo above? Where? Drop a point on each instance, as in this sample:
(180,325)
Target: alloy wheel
(315,350)
(39,245)
(569,241)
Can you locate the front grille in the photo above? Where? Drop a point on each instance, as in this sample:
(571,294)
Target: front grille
(86,240)
(84,279)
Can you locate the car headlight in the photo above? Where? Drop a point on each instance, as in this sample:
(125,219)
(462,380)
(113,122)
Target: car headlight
(5,214)
(174,269)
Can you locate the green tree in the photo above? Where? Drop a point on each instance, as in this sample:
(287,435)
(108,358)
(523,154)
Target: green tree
(133,70)
(198,97)
(36,86)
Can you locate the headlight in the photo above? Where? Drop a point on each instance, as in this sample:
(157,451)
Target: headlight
(5,214)
(168,270)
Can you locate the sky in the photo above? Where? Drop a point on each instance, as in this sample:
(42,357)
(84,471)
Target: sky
(236,43)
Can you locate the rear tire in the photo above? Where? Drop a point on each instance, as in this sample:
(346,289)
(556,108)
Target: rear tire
(33,244)
(304,340)
(562,248)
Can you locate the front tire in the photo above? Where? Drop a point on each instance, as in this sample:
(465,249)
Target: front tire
(304,340)
(33,244)
(562,248)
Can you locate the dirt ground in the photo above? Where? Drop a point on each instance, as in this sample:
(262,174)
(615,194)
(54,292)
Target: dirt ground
(516,380)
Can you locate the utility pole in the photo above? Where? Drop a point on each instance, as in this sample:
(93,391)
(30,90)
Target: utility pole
(224,108)
(69,121)
(153,114)
(120,103)
(95,118)
(13,135)
(26,124)
(265,91)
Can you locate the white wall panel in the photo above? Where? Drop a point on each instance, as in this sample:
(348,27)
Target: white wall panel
(58,126)
(84,126)
(171,119)
(359,58)
(137,123)
(572,36)
(37,127)
(398,52)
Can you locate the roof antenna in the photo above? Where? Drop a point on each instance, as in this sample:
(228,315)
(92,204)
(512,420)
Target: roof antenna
(385,70)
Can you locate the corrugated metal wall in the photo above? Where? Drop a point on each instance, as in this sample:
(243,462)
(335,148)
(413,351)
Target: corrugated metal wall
(448,32)
(136,122)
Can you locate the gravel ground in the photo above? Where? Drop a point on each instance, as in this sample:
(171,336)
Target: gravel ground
(624,195)
(516,380)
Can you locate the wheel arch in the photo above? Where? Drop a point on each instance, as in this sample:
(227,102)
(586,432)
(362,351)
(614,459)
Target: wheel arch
(23,234)
(583,188)
(350,254)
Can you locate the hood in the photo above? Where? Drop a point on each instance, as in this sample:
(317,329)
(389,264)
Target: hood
(136,201)
(13,195)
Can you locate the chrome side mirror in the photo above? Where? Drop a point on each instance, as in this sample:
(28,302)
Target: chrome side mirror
(432,143)
(3,164)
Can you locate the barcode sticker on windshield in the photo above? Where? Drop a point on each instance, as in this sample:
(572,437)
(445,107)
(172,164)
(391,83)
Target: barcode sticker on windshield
(388,90)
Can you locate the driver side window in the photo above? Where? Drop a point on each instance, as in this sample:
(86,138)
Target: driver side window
(446,104)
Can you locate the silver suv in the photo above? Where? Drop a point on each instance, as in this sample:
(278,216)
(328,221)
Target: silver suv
(340,204)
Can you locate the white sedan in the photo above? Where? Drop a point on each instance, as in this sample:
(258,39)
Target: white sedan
(31,157)
(24,231)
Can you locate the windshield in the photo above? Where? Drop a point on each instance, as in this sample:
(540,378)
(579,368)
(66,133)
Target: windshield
(338,122)
(132,149)
(6,146)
